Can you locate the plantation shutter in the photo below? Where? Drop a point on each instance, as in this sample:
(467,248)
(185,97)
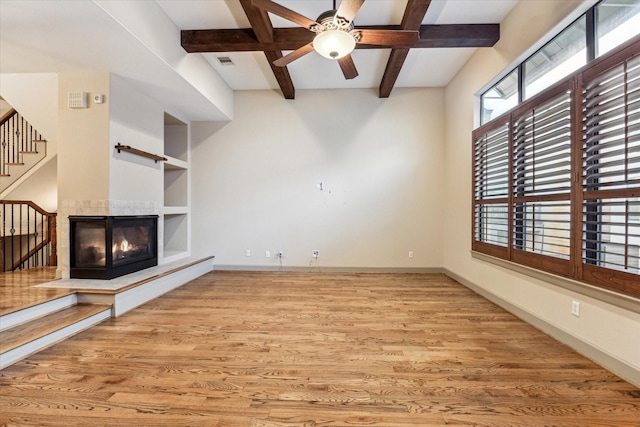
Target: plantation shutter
(491,189)
(542,181)
(611,176)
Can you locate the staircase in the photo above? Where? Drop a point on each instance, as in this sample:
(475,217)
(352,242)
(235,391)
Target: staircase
(21,148)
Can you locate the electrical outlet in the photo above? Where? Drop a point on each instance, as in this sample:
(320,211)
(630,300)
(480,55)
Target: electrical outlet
(280,254)
(410,254)
(247,252)
(315,253)
(267,254)
(575,308)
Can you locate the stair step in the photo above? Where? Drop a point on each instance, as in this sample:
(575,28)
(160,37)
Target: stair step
(21,309)
(28,152)
(27,338)
(5,174)
(39,140)
(15,164)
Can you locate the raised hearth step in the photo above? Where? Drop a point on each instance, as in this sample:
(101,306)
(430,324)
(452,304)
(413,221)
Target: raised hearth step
(29,303)
(27,338)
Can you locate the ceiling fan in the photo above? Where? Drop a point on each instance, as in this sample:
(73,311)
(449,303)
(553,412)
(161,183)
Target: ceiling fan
(336,36)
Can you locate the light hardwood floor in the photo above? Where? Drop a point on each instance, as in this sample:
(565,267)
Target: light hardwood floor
(17,289)
(296,349)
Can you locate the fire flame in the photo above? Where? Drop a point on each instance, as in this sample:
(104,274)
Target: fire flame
(123,246)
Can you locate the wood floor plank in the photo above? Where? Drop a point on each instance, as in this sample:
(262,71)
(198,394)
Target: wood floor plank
(315,349)
(18,291)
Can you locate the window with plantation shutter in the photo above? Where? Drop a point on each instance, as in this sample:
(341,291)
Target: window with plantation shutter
(492,223)
(557,179)
(611,175)
(491,183)
(611,234)
(542,181)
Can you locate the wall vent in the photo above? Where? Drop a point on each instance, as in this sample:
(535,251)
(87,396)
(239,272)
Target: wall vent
(78,100)
(224,60)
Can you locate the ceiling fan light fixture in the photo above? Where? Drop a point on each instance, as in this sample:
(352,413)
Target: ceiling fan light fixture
(334,44)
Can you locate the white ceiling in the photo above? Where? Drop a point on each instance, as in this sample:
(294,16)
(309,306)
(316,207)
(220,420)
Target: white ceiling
(71,35)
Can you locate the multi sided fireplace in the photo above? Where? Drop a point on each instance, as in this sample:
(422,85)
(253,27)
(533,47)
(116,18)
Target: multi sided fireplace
(105,247)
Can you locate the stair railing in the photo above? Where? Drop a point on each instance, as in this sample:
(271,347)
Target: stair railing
(17,137)
(28,236)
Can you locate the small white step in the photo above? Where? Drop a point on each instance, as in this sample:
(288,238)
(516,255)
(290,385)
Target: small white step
(28,338)
(10,320)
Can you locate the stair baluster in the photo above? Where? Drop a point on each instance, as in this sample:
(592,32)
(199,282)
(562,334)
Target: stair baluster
(28,236)
(17,139)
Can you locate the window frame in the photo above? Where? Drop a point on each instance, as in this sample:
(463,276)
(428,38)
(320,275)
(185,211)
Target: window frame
(591,44)
(588,34)
(483,102)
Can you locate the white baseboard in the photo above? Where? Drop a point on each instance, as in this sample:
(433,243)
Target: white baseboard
(322,269)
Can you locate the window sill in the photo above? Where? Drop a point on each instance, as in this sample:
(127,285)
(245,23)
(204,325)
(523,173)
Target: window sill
(623,301)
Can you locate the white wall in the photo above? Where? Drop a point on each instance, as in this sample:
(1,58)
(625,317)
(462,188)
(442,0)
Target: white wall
(612,332)
(137,121)
(35,97)
(41,187)
(84,152)
(380,161)
(150,25)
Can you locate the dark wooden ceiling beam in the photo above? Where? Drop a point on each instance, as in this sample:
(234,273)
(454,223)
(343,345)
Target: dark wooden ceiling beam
(245,40)
(272,41)
(413,16)
(262,30)
(458,35)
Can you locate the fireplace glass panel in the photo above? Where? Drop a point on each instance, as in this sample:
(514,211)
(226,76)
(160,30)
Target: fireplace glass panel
(130,243)
(89,245)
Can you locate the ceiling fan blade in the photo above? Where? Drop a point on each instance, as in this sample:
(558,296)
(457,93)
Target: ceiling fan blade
(298,53)
(399,38)
(349,8)
(348,67)
(284,12)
